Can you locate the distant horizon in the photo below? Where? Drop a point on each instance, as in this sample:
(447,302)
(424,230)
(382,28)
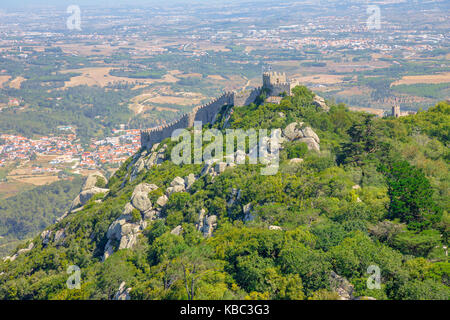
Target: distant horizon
(61,3)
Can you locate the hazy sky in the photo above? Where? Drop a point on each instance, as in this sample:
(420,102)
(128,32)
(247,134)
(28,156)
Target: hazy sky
(65,3)
(22,3)
(112,3)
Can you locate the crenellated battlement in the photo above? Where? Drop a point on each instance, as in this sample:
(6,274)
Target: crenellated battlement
(205,113)
(276,83)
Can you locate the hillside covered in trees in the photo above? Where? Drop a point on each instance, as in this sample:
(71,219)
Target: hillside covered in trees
(24,215)
(377,194)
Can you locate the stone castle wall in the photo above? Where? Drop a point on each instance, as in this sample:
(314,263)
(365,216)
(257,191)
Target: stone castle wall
(206,114)
(246,97)
(277,83)
(279,88)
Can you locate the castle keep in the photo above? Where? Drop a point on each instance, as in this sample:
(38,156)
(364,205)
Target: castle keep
(275,83)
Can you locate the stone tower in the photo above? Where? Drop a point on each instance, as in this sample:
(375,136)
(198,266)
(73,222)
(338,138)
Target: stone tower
(277,83)
(396,111)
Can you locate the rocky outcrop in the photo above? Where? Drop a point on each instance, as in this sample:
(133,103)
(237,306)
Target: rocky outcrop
(209,225)
(206,224)
(45,236)
(19,253)
(139,198)
(123,293)
(57,238)
(89,190)
(234,197)
(320,103)
(311,143)
(123,233)
(297,132)
(177,230)
(189,181)
(147,160)
(296,161)
(341,286)
(60,236)
(85,196)
(179,184)
(96,179)
(293,132)
(247,210)
(214,167)
(275,228)
(162,201)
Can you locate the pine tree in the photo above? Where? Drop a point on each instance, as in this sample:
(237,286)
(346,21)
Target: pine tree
(411,196)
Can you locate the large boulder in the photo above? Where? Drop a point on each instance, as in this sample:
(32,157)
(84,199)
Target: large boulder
(109,250)
(123,231)
(320,103)
(85,196)
(201,220)
(145,187)
(128,209)
(139,198)
(177,185)
(141,201)
(189,181)
(309,133)
(123,293)
(128,241)
(60,235)
(177,181)
(115,230)
(341,286)
(209,225)
(137,168)
(177,230)
(311,143)
(293,131)
(151,215)
(162,201)
(206,224)
(93,179)
(296,132)
(176,189)
(45,236)
(275,228)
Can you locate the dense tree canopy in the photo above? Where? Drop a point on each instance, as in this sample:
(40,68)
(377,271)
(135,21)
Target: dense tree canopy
(376,195)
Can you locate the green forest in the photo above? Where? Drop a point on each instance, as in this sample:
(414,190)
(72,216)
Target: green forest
(24,215)
(377,194)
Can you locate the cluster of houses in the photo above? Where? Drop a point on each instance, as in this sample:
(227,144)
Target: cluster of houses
(68,150)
